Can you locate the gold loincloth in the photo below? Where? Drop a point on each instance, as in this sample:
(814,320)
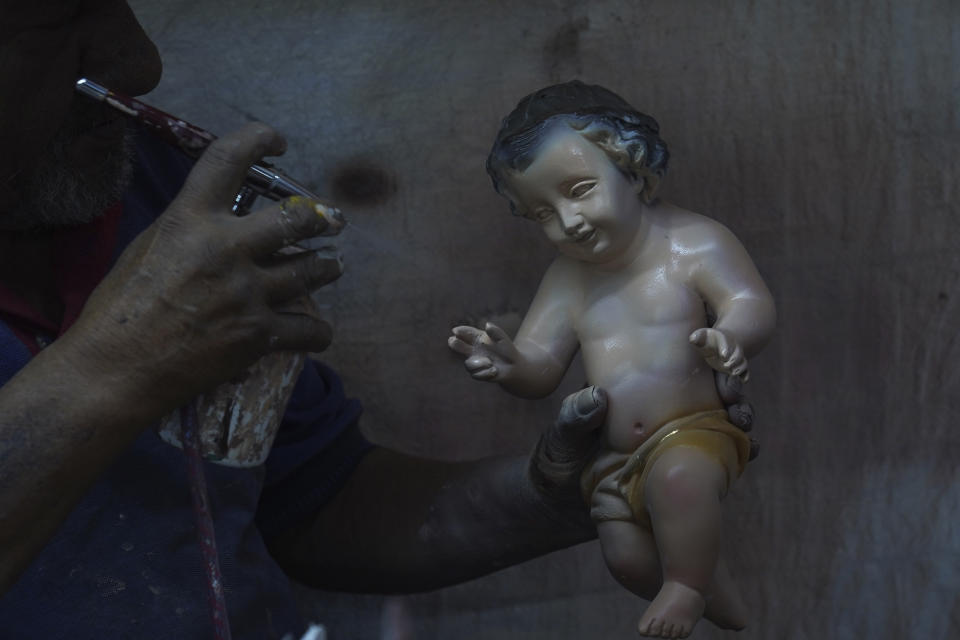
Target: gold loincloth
(613,482)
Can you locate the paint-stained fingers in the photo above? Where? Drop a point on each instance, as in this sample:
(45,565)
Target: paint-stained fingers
(739,410)
(582,412)
(299,332)
(218,174)
(291,220)
(730,388)
(291,276)
(566,446)
(741,415)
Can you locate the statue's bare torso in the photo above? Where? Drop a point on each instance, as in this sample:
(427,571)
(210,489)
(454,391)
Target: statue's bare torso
(633,327)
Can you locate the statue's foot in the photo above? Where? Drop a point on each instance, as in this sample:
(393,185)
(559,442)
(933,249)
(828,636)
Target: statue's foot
(673,613)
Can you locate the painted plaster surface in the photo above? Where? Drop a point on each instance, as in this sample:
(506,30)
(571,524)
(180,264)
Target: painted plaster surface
(823,134)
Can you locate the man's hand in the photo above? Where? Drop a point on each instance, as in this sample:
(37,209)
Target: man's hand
(193,300)
(739,410)
(730,389)
(490,353)
(403,523)
(202,293)
(721,351)
(564,450)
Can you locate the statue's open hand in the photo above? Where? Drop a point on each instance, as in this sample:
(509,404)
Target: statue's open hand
(490,352)
(721,351)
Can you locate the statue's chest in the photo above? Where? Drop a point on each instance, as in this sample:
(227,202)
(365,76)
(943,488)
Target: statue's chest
(654,298)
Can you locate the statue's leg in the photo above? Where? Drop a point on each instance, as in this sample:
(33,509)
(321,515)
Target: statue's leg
(682,493)
(631,555)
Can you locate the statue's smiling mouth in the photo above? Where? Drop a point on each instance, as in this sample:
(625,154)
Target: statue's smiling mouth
(585,237)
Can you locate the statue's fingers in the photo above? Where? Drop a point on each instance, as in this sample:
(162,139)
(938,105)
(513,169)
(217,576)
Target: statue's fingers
(705,340)
(459,346)
(485,374)
(734,358)
(496,333)
(476,363)
(467,333)
(723,347)
(699,338)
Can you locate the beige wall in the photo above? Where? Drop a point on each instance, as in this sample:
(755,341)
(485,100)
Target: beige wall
(824,134)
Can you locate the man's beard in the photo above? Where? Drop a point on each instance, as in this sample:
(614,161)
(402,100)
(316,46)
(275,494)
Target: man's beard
(65,191)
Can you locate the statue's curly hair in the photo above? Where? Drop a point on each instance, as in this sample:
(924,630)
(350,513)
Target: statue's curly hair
(629,138)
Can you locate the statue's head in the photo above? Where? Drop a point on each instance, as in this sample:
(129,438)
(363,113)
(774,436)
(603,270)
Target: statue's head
(629,138)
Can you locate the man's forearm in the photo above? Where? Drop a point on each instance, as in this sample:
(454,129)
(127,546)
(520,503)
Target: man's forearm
(59,429)
(406,524)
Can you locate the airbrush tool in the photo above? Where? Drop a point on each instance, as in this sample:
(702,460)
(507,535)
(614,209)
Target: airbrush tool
(262,179)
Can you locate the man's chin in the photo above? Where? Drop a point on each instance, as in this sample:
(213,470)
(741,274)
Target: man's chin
(63,192)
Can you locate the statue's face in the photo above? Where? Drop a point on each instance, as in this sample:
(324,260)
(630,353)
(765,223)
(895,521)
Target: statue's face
(587,206)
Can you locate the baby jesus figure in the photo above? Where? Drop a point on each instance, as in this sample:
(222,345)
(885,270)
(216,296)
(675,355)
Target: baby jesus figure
(632,287)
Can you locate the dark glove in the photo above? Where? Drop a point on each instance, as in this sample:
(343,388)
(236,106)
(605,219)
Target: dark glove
(565,448)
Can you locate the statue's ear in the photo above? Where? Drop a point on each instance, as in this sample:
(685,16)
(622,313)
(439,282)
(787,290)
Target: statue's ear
(646,187)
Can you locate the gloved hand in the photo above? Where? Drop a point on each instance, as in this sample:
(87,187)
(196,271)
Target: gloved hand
(565,448)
